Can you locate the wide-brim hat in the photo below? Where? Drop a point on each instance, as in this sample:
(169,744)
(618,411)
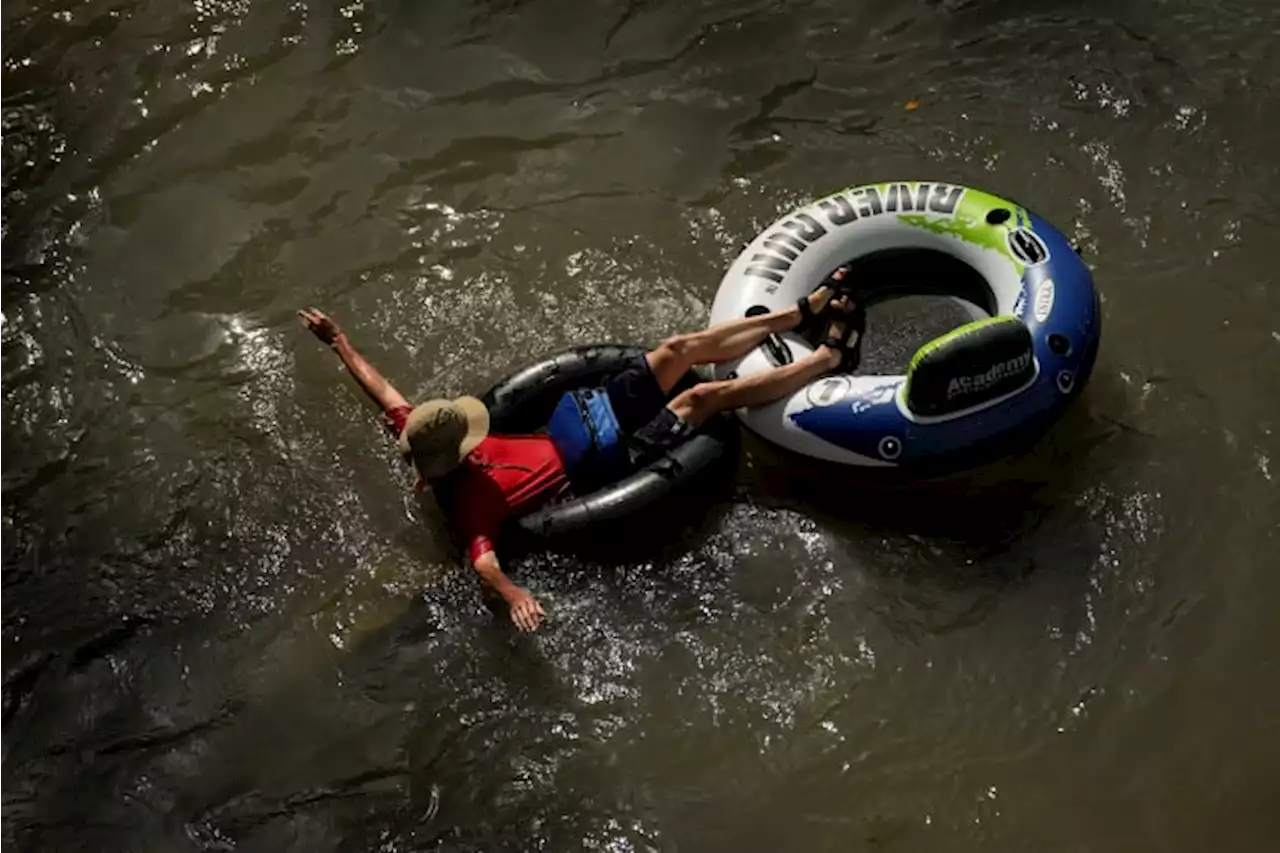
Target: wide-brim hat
(438,434)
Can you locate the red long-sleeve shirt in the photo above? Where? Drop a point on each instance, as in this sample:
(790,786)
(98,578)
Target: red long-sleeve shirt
(505,476)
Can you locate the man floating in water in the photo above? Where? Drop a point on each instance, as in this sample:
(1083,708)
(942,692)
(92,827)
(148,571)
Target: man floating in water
(490,478)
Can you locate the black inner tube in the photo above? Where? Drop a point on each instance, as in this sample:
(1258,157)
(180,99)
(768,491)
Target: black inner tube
(523,402)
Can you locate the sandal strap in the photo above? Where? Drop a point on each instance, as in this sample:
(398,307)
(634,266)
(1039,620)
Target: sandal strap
(807,314)
(847,343)
(852,356)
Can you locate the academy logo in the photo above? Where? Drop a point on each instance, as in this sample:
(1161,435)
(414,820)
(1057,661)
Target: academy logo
(962,385)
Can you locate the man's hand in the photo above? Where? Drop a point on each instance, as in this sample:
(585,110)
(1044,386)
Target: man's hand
(526,612)
(321,326)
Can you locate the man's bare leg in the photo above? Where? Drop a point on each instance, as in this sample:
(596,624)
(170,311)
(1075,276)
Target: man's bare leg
(724,341)
(703,400)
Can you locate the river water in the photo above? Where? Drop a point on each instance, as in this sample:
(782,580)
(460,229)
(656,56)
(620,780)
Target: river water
(228,624)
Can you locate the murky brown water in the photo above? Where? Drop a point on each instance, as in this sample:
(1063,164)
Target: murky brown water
(227,626)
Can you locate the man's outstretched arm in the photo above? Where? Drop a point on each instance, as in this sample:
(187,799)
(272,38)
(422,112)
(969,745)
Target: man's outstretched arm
(373,382)
(526,612)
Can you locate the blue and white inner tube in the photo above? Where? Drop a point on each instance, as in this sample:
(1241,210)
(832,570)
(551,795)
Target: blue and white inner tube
(967,394)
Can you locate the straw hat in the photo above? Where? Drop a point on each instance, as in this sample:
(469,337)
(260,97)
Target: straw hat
(439,434)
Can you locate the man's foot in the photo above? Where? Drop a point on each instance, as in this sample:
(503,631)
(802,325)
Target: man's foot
(806,317)
(844,335)
(811,308)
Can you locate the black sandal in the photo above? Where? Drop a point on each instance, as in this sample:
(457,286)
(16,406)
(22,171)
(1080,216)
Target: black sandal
(839,280)
(808,317)
(855,323)
(839,285)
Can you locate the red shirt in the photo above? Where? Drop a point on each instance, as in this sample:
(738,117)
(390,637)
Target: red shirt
(505,476)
